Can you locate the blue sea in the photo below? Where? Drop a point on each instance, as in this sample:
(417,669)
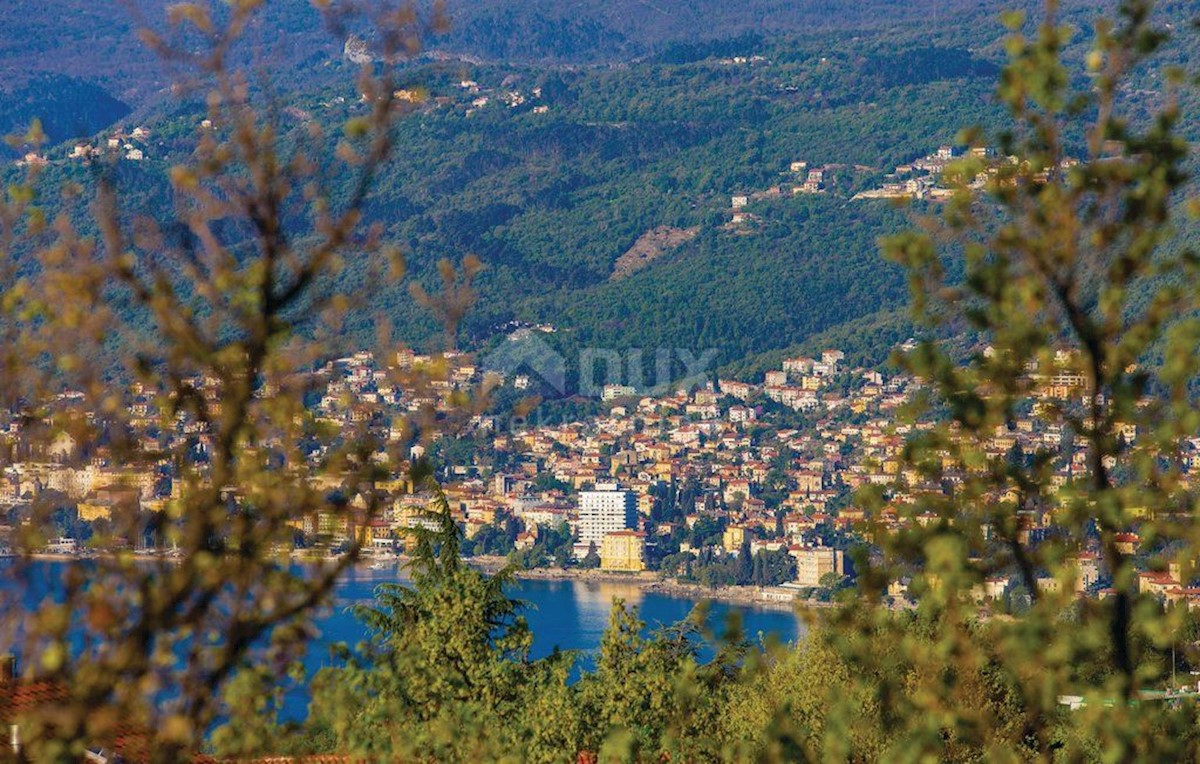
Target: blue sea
(564,614)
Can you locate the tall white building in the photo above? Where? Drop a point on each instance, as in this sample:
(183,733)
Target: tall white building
(603,510)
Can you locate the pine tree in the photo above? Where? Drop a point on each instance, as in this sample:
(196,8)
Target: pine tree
(744,568)
(592,558)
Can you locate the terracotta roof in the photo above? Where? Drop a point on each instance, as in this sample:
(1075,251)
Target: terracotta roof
(17,698)
(1159,577)
(25,697)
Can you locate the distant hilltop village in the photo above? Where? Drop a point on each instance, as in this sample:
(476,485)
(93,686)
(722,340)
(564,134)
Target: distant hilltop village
(923,179)
(687,483)
(132,146)
(468,98)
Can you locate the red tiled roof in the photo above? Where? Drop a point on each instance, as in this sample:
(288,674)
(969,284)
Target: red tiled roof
(1159,577)
(17,698)
(25,697)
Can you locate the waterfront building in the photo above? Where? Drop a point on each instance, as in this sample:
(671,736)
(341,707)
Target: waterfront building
(623,551)
(814,563)
(601,511)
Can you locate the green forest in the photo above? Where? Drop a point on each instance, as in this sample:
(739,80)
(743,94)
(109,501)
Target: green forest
(550,192)
(549,172)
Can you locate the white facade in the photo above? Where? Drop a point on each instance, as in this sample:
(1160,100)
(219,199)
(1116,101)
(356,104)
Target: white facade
(612,392)
(602,511)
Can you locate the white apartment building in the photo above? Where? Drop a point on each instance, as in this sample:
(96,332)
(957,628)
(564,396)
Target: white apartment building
(603,510)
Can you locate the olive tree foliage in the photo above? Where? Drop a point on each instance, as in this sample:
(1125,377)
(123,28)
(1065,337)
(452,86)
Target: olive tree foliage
(787,696)
(1069,271)
(220,301)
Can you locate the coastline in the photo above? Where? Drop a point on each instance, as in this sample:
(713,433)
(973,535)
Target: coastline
(772,598)
(764,598)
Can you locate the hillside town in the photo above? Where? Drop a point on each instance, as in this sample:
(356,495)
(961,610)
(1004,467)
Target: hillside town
(728,484)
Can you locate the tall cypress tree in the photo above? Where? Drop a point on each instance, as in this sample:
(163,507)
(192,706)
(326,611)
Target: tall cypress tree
(744,570)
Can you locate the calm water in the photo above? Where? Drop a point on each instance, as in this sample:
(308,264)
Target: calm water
(569,615)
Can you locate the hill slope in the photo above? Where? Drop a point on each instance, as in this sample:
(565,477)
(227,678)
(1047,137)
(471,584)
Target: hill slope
(550,173)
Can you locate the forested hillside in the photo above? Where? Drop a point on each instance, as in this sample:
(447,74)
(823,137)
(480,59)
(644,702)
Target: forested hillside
(98,41)
(551,193)
(65,106)
(550,172)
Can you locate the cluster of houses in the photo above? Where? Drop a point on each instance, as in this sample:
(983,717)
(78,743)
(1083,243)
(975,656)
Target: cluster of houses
(799,179)
(721,452)
(813,178)
(508,95)
(921,179)
(128,146)
(925,177)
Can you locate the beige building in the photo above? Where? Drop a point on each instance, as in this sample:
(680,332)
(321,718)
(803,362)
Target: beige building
(813,563)
(623,551)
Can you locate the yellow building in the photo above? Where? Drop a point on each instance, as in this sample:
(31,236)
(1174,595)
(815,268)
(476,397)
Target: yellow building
(90,511)
(374,533)
(335,524)
(306,523)
(396,485)
(623,551)
(734,537)
(645,502)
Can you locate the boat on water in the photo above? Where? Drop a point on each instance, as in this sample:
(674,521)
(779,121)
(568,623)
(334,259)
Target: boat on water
(62,545)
